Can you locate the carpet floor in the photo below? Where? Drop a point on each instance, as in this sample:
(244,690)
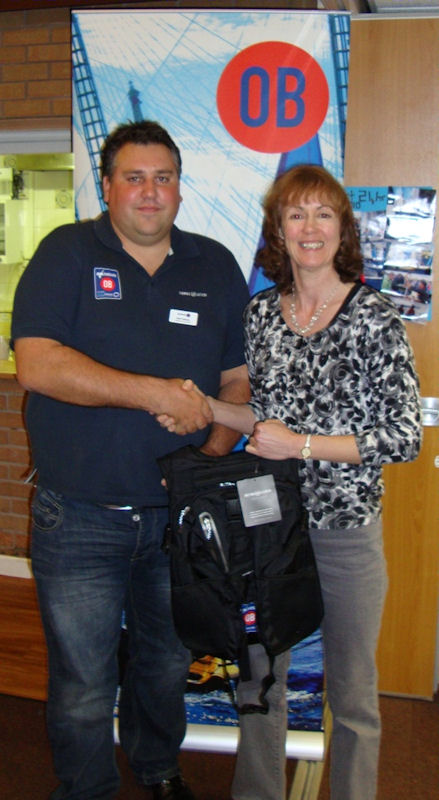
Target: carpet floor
(409,767)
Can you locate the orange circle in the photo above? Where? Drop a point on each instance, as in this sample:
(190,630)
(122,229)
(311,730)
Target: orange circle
(272,97)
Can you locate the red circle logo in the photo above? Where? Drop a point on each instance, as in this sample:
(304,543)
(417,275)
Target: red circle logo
(272,97)
(107,284)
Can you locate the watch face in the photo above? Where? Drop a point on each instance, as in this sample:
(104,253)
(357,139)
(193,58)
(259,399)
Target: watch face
(306,452)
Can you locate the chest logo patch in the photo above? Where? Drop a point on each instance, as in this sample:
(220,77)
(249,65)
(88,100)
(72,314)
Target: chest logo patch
(107,284)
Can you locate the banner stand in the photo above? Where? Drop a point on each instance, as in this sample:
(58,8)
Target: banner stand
(309,748)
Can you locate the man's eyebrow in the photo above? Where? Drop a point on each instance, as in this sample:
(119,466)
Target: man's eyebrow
(158,171)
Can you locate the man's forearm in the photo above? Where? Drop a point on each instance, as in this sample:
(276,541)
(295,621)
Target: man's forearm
(65,374)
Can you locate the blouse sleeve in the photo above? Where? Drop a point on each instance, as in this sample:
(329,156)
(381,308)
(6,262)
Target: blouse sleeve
(396,434)
(251,330)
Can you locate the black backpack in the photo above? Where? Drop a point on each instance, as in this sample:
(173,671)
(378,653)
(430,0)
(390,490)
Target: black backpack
(220,568)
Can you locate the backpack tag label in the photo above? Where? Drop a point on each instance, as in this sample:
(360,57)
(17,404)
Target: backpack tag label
(259,500)
(248,611)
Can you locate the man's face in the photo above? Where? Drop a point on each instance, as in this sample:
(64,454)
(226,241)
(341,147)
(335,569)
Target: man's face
(143,193)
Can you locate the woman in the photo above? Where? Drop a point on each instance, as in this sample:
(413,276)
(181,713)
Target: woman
(334,385)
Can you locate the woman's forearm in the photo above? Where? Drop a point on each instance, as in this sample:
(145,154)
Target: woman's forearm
(273,439)
(238,416)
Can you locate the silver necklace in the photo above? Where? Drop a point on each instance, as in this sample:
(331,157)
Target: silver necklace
(317,314)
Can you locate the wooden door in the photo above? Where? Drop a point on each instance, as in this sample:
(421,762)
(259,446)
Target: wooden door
(393,139)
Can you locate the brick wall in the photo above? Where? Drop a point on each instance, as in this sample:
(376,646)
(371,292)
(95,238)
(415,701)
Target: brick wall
(35,71)
(35,93)
(35,56)
(14,465)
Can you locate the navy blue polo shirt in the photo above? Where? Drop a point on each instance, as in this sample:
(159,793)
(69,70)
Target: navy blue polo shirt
(82,289)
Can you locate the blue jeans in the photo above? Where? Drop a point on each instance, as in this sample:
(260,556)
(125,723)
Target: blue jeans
(90,563)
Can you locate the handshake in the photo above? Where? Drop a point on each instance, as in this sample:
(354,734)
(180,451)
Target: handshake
(183,408)
(186,408)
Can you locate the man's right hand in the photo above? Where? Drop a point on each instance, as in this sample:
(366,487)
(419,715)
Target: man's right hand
(188,409)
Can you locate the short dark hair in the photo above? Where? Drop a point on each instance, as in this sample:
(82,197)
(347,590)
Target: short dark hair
(144,132)
(305,181)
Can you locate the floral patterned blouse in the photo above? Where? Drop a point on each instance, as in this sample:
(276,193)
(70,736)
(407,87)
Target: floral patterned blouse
(356,376)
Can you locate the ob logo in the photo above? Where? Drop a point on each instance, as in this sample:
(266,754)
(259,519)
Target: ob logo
(108,284)
(272,97)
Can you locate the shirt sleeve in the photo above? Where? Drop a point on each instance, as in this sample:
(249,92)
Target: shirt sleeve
(47,294)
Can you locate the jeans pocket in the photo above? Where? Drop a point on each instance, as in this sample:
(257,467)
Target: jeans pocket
(47,510)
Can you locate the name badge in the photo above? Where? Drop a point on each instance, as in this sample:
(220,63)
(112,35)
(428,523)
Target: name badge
(181,317)
(259,500)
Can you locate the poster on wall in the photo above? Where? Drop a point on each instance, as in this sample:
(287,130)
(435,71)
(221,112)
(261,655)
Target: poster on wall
(396,225)
(245,94)
(211,688)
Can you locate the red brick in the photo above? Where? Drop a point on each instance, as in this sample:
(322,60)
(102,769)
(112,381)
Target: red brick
(34,123)
(20,506)
(15,455)
(9,383)
(27,108)
(62,33)
(18,438)
(12,19)
(48,16)
(16,472)
(11,90)
(48,88)
(61,69)
(26,36)
(24,72)
(61,107)
(21,546)
(11,419)
(7,543)
(15,489)
(13,523)
(15,544)
(48,52)
(15,401)
(9,55)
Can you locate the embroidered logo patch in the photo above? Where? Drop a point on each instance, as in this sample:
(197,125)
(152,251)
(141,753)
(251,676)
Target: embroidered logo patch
(107,284)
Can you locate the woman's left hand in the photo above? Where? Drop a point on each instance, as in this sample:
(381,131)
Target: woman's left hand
(272,439)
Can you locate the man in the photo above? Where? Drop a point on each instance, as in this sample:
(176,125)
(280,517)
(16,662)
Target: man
(110,316)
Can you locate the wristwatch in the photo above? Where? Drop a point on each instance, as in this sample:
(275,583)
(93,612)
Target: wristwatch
(306,449)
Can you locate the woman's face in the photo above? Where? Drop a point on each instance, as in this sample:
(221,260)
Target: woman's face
(311,230)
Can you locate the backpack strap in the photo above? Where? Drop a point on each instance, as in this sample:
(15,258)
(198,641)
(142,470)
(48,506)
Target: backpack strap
(256,680)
